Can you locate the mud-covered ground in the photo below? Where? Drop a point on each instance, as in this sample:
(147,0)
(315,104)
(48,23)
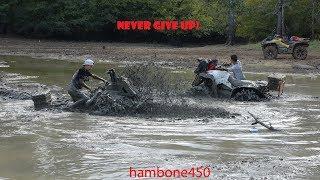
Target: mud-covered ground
(128,53)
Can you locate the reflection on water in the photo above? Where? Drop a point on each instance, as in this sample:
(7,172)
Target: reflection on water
(38,144)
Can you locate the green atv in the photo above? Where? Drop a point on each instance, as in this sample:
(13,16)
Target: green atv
(297,47)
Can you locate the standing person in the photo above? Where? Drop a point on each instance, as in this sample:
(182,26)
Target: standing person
(78,81)
(235,68)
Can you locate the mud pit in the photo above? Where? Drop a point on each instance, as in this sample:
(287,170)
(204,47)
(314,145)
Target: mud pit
(57,144)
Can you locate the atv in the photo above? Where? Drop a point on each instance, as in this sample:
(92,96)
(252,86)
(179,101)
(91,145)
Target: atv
(244,90)
(297,47)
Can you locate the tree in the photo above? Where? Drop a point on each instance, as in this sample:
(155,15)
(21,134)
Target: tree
(231,29)
(220,19)
(280,18)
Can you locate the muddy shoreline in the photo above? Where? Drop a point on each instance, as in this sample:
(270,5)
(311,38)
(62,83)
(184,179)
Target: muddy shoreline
(130,53)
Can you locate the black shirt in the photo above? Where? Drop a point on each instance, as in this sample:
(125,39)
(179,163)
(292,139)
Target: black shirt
(83,74)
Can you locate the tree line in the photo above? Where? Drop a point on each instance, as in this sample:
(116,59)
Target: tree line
(221,20)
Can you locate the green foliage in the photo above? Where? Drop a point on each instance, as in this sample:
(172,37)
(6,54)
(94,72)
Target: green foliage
(257,20)
(315,45)
(298,17)
(66,18)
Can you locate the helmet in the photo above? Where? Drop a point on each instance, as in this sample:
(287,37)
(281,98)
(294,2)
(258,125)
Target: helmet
(88,62)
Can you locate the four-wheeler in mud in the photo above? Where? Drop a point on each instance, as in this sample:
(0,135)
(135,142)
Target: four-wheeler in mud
(221,85)
(272,46)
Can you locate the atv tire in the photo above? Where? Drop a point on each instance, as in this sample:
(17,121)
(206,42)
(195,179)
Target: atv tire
(247,94)
(300,52)
(270,52)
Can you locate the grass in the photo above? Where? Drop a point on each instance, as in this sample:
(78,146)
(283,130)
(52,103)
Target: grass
(253,46)
(315,45)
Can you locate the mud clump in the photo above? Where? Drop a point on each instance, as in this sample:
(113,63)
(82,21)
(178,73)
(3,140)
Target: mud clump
(183,111)
(111,102)
(11,87)
(42,100)
(14,94)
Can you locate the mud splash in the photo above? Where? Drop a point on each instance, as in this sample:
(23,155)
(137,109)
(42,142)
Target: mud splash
(150,105)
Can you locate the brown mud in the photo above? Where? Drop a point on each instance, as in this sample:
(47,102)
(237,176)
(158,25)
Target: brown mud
(127,53)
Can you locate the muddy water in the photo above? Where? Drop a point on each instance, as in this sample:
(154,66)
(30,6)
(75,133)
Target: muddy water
(38,144)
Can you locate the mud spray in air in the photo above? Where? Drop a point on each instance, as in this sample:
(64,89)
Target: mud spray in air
(168,128)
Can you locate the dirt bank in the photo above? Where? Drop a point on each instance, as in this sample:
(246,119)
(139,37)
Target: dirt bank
(250,55)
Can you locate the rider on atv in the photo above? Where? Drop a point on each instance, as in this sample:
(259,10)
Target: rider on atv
(278,40)
(230,76)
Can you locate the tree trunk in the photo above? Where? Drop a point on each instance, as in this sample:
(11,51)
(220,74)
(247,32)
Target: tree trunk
(231,30)
(280,19)
(11,16)
(3,28)
(313,18)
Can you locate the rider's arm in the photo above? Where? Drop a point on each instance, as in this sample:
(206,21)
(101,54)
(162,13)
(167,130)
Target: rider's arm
(84,84)
(221,69)
(226,64)
(97,77)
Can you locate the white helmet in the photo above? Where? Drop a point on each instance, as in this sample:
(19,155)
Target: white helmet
(88,62)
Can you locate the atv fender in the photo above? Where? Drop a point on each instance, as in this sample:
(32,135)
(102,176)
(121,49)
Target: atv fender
(269,44)
(301,44)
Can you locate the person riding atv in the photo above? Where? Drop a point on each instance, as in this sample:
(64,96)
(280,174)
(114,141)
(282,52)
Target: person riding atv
(211,75)
(78,82)
(221,83)
(278,40)
(274,45)
(203,66)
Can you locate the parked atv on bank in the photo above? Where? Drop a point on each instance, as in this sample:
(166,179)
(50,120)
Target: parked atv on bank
(295,46)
